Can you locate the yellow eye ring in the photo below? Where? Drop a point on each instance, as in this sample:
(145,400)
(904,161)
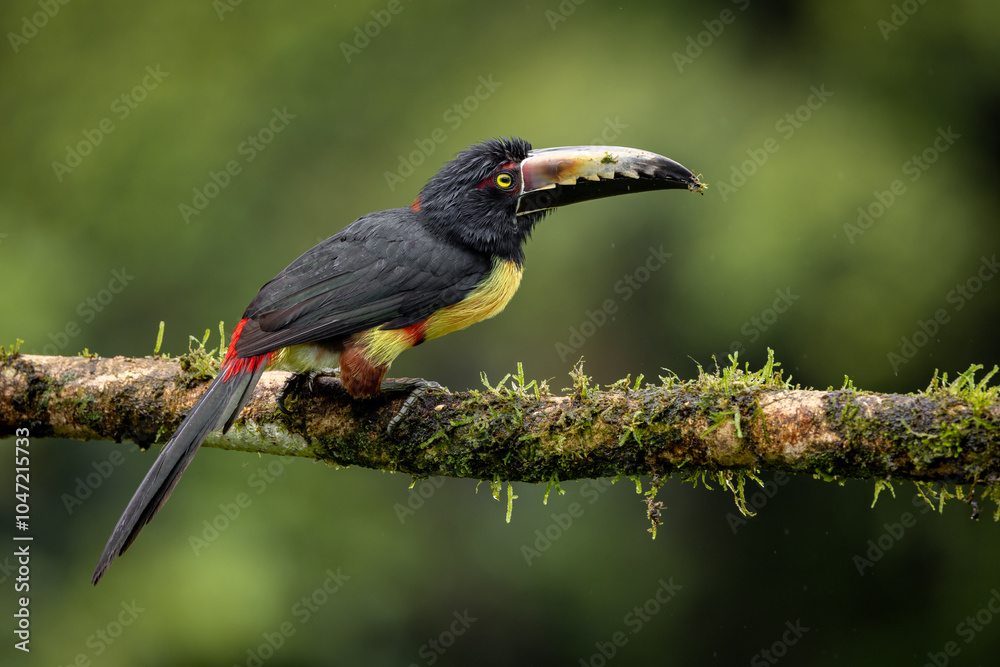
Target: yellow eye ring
(504,180)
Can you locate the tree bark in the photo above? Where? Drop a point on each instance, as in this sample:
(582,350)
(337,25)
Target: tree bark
(732,420)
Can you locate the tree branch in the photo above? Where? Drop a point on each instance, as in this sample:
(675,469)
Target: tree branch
(732,420)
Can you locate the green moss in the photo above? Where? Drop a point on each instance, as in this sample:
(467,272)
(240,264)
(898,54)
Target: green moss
(581,381)
(200,363)
(159,338)
(950,419)
(553,483)
(654,508)
(632,431)
(86,412)
(936,496)
(734,480)
(880,486)
(730,395)
(992,493)
(14,351)
(510,500)
(949,424)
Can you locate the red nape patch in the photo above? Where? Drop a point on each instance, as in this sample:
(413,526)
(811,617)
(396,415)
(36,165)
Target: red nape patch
(415,206)
(233,365)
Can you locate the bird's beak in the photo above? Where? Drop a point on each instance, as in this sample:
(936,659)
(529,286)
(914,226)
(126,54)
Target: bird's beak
(553,177)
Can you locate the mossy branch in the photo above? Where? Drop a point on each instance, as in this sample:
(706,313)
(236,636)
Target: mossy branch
(729,421)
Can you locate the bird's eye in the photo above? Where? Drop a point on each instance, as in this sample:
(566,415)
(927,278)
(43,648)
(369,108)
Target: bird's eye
(504,180)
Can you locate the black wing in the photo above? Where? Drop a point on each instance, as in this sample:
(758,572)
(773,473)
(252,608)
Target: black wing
(384,269)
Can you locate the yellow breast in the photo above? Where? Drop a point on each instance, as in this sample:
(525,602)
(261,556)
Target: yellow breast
(488,299)
(482,303)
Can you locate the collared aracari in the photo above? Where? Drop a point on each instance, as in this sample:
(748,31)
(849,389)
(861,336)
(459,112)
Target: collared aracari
(393,279)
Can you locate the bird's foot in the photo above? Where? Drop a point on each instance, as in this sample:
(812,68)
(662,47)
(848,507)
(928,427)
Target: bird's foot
(417,388)
(293,385)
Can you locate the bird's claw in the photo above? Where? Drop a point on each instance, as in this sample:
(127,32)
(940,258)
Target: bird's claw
(417,388)
(293,385)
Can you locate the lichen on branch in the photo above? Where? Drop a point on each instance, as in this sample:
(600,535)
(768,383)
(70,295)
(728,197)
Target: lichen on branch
(724,426)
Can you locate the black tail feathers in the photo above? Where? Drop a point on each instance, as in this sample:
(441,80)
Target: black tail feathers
(218,407)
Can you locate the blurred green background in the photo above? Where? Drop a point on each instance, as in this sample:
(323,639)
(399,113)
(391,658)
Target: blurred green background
(804,117)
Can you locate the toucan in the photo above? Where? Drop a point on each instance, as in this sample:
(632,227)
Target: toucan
(394,279)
